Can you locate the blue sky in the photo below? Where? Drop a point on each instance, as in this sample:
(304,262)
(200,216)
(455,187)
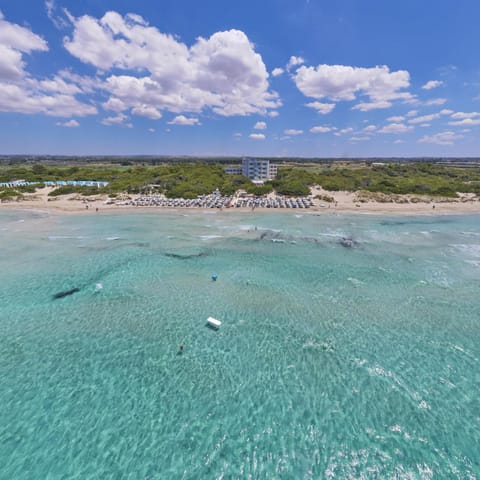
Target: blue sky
(310,78)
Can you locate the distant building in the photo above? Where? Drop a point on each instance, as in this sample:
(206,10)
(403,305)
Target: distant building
(234,170)
(256,170)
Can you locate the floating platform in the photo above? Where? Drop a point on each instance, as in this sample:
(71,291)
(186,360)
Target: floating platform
(213,322)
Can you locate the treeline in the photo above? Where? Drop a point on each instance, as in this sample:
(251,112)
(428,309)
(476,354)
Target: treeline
(192,180)
(146,160)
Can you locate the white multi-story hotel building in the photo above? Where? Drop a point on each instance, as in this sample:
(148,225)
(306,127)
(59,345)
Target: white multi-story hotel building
(256,170)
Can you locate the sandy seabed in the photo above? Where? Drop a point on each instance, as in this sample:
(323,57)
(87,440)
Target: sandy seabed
(343,202)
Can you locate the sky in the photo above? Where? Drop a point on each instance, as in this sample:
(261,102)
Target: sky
(306,78)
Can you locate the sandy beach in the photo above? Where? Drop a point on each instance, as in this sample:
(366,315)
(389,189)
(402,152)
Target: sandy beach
(343,202)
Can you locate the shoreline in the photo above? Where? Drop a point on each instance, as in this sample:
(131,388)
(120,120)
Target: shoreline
(343,203)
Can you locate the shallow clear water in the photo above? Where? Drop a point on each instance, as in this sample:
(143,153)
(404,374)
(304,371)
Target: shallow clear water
(333,361)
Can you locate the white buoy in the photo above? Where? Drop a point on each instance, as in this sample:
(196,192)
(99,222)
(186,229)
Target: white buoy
(213,322)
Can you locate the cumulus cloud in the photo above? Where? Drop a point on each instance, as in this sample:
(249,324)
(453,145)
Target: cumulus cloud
(436,101)
(367,106)
(70,124)
(429,118)
(462,115)
(21,93)
(257,136)
(442,138)
(260,126)
(292,131)
(466,122)
(294,62)
(223,73)
(412,113)
(370,129)
(15,98)
(15,41)
(424,118)
(343,131)
(147,111)
(431,84)
(396,119)
(115,120)
(323,108)
(321,129)
(396,128)
(277,72)
(182,120)
(345,83)
(273,114)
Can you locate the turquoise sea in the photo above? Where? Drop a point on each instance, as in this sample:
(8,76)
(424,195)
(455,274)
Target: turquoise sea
(349,346)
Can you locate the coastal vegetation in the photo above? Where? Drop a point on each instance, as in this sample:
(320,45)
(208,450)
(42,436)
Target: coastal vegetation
(195,179)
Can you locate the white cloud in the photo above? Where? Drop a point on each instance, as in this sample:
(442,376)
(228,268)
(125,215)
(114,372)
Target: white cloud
(257,136)
(370,129)
(85,84)
(343,131)
(15,41)
(182,120)
(359,139)
(323,108)
(115,120)
(344,83)
(114,104)
(20,92)
(237,134)
(396,128)
(432,84)
(147,111)
(58,21)
(399,141)
(436,101)
(443,138)
(424,118)
(70,124)
(56,84)
(429,118)
(396,119)
(277,72)
(273,114)
(15,98)
(292,131)
(425,125)
(294,62)
(260,126)
(222,73)
(367,106)
(412,113)
(151,130)
(321,129)
(462,115)
(466,122)
(20,38)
